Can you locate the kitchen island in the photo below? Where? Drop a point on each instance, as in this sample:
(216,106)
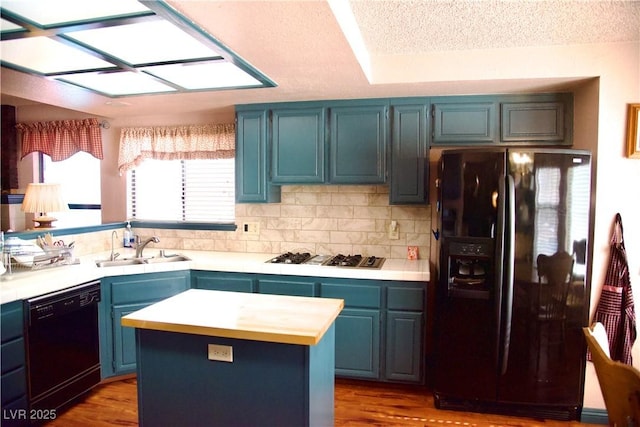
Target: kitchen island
(281,351)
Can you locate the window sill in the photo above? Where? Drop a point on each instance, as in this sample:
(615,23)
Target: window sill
(176,225)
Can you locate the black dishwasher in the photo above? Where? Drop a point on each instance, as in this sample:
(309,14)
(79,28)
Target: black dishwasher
(63,346)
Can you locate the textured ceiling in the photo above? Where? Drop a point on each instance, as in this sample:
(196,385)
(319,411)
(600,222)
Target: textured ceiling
(418,26)
(301,46)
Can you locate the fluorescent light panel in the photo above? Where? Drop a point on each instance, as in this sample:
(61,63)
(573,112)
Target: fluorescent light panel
(210,75)
(144,43)
(117,83)
(46,56)
(47,13)
(138,48)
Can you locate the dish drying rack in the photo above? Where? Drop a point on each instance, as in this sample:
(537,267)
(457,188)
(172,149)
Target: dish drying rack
(29,257)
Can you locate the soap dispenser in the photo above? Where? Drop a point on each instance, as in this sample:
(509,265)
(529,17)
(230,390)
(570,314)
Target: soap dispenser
(127,236)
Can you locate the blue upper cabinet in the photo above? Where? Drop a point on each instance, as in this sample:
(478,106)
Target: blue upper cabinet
(358,144)
(467,120)
(537,119)
(544,119)
(299,145)
(252,159)
(409,154)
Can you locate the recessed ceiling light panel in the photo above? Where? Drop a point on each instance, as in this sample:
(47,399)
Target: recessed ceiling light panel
(118,83)
(144,42)
(47,56)
(46,13)
(211,75)
(119,47)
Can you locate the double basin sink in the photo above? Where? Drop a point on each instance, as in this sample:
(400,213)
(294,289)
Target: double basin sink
(135,261)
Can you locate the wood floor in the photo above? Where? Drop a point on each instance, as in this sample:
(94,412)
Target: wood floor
(357,404)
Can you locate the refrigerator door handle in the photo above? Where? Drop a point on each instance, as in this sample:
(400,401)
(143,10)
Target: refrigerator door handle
(507,301)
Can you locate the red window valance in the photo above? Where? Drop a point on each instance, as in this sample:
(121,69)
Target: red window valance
(62,139)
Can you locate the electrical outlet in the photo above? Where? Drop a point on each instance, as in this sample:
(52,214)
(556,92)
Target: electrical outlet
(221,353)
(394,233)
(251,228)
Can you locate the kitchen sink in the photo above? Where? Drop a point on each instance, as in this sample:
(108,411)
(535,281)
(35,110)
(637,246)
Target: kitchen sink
(167,258)
(120,262)
(135,261)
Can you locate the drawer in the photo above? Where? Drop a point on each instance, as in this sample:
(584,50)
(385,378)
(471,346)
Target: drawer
(222,282)
(353,295)
(14,385)
(12,321)
(400,298)
(139,289)
(286,287)
(12,355)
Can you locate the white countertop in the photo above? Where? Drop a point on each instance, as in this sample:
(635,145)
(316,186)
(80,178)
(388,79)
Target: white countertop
(23,285)
(239,315)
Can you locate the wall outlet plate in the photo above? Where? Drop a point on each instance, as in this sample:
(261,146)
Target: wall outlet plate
(251,228)
(220,353)
(394,232)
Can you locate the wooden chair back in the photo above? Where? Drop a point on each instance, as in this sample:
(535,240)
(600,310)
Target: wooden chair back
(619,383)
(554,277)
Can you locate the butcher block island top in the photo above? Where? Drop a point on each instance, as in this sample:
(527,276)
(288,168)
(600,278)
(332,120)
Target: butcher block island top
(257,317)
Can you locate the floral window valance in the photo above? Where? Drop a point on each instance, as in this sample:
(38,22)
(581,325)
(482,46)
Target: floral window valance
(62,139)
(211,141)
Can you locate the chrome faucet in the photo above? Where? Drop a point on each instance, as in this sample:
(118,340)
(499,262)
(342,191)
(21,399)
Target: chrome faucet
(113,255)
(140,246)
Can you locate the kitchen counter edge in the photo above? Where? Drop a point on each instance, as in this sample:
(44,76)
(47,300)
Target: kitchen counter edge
(24,285)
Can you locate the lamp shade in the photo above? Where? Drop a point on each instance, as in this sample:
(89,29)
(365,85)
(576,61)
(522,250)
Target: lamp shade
(41,198)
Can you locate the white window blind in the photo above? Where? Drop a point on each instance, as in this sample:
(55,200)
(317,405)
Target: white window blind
(547,205)
(182,190)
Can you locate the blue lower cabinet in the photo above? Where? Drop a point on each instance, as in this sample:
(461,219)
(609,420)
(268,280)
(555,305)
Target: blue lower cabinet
(217,281)
(124,340)
(122,295)
(287,286)
(13,390)
(358,343)
(358,326)
(403,361)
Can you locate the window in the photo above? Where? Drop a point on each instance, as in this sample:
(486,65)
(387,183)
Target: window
(79,176)
(182,190)
(547,210)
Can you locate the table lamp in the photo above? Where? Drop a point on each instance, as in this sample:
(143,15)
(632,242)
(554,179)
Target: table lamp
(42,198)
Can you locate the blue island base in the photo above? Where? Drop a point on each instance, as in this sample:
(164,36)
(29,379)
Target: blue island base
(267,384)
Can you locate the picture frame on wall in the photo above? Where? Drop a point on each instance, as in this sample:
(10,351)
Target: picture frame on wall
(633,135)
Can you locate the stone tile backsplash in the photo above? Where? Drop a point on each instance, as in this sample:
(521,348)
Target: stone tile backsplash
(321,219)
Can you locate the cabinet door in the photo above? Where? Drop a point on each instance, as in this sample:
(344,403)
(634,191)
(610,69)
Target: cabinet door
(358,343)
(122,295)
(124,340)
(358,144)
(409,155)
(282,286)
(13,387)
(464,122)
(404,346)
(252,159)
(533,121)
(215,281)
(298,149)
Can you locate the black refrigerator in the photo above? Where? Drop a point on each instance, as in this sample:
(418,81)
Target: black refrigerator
(508,339)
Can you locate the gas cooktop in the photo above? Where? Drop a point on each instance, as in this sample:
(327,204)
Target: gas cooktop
(340,260)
